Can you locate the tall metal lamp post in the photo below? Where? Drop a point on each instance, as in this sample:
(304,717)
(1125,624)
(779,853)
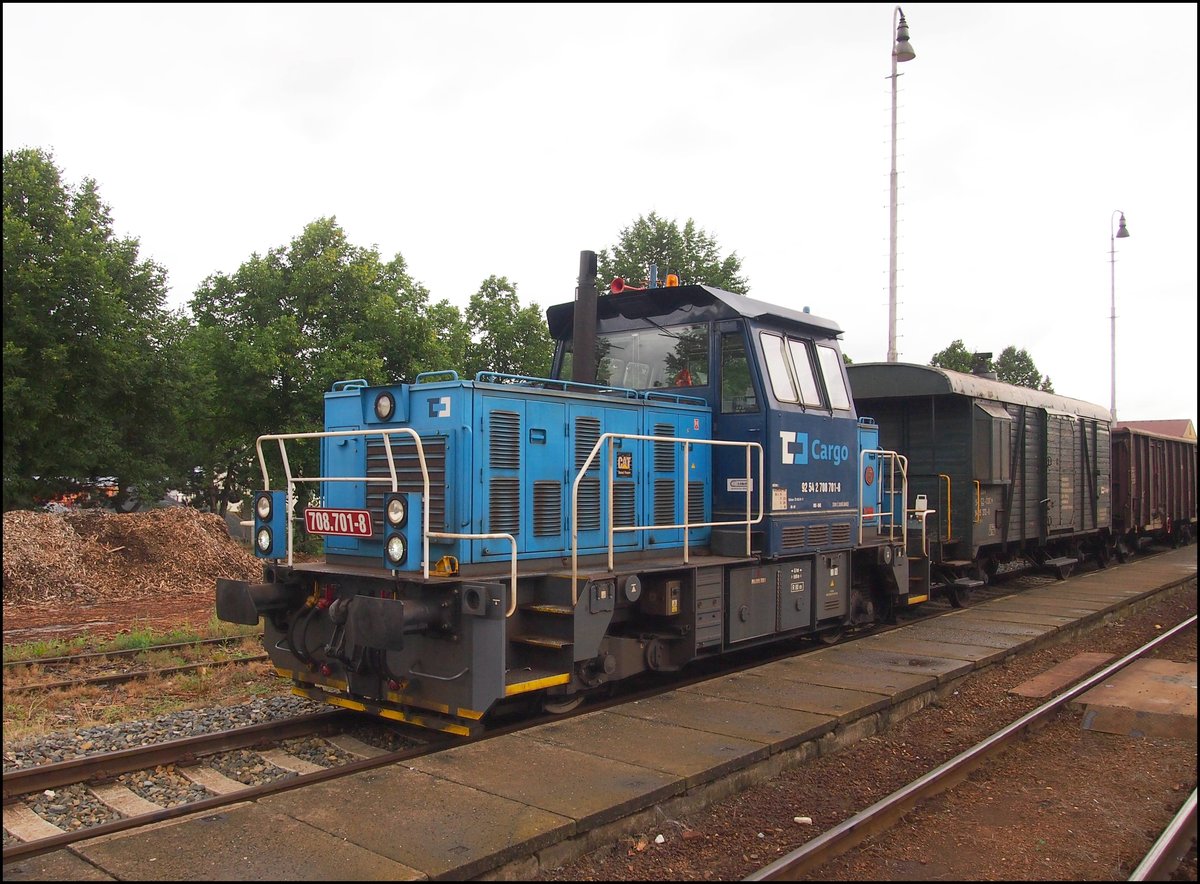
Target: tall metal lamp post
(1121,233)
(901,51)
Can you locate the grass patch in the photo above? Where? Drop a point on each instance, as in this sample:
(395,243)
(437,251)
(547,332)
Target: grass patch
(136,638)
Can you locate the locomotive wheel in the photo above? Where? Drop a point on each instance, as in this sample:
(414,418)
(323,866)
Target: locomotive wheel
(831,636)
(958,596)
(561,705)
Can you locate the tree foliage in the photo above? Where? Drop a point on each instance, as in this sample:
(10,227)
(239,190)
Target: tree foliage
(1013,367)
(691,253)
(275,335)
(508,338)
(92,381)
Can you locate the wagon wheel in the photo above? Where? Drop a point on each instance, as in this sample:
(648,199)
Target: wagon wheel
(958,596)
(831,636)
(561,705)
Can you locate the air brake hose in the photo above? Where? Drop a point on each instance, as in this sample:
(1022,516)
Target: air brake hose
(301,653)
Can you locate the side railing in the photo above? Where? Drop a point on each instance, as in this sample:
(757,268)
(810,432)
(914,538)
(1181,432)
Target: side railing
(392,479)
(607,439)
(893,466)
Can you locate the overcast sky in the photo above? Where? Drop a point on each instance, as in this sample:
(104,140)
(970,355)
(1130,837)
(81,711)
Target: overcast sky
(505,139)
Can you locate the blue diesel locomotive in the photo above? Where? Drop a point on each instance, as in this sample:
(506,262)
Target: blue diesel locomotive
(691,480)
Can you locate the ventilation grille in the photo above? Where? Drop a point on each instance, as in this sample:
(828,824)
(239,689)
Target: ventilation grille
(623,504)
(504,509)
(818,535)
(664,452)
(505,440)
(695,502)
(408,476)
(547,508)
(841,534)
(587,433)
(664,499)
(793,536)
(589,504)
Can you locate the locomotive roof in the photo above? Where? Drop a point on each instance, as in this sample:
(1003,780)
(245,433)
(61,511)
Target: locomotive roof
(691,302)
(879,380)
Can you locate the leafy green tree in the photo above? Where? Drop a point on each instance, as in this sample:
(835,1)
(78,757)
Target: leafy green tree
(275,335)
(508,338)
(1016,367)
(691,253)
(91,369)
(956,357)
(1013,367)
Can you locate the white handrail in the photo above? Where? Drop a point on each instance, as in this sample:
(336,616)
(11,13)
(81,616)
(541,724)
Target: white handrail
(687,523)
(386,433)
(333,434)
(893,459)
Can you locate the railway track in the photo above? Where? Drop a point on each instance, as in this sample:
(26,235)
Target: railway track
(887,812)
(104,659)
(196,759)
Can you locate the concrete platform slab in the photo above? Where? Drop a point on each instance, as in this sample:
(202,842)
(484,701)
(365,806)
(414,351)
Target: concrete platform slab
(814,669)
(1065,673)
(230,846)
(1148,698)
(777,728)
(966,621)
(758,687)
(963,633)
(572,783)
(865,656)
(1072,608)
(696,755)
(1050,621)
(425,822)
(61,865)
(900,643)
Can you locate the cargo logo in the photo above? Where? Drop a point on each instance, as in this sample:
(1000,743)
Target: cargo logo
(795,447)
(439,407)
(796,450)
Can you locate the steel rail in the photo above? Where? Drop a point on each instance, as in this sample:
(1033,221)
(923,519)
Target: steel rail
(128,652)
(119,677)
(25,780)
(1172,845)
(884,813)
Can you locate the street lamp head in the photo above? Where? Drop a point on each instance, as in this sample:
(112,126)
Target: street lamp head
(1121,231)
(903,50)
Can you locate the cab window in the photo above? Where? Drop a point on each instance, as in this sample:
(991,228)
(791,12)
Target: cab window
(777,367)
(737,388)
(831,365)
(809,393)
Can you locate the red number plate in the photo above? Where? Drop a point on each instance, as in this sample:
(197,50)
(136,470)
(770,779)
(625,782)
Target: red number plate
(347,523)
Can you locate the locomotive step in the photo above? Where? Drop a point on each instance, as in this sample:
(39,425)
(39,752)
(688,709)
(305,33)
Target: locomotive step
(564,610)
(968,583)
(543,641)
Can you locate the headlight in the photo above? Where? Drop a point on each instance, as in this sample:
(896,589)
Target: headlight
(385,406)
(396,548)
(262,506)
(264,539)
(395,511)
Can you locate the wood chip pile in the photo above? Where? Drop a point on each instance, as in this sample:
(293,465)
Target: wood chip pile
(93,556)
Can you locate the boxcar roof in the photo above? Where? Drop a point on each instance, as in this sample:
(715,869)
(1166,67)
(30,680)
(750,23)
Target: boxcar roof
(883,380)
(700,301)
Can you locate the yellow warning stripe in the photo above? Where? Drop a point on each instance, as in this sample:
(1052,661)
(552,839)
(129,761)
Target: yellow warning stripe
(418,720)
(917,599)
(536,685)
